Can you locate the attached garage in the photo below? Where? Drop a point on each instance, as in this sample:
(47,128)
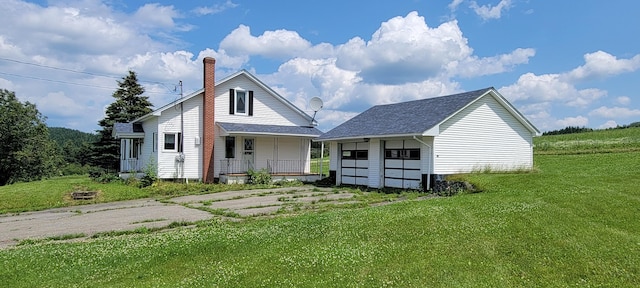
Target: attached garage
(354,163)
(402,164)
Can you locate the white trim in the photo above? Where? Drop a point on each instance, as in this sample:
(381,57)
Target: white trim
(235,101)
(176,142)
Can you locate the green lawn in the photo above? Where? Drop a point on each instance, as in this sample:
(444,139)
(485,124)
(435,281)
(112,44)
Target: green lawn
(56,192)
(315,165)
(572,222)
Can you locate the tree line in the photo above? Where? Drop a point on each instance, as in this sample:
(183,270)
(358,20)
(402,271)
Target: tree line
(29,150)
(577,129)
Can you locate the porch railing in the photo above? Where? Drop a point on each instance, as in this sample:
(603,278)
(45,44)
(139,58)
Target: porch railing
(293,167)
(288,166)
(232,166)
(130,165)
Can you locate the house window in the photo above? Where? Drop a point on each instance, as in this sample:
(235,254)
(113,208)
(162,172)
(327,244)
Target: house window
(240,102)
(230,147)
(173,142)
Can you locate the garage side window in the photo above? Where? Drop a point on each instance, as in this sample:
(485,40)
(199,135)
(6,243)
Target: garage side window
(355,154)
(408,154)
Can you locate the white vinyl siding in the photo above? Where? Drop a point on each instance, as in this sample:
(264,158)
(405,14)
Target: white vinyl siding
(169,122)
(482,136)
(333,156)
(375,175)
(149,154)
(267,109)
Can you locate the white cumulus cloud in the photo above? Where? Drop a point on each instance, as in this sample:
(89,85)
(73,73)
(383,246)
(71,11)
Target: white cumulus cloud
(407,50)
(615,112)
(623,100)
(278,44)
(602,64)
(579,121)
(214,9)
(488,11)
(608,124)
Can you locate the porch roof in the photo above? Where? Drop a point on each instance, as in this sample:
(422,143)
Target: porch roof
(127,130)
(275,130)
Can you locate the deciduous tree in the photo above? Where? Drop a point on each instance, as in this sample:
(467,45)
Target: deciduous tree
(26,152)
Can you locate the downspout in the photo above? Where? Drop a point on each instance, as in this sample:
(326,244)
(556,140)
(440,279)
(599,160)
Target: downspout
(321,159)
(428,161)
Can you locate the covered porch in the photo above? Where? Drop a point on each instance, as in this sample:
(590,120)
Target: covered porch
(282,151)
(131,136)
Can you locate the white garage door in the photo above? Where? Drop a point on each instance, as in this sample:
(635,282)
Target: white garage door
(354,163)
(402,164)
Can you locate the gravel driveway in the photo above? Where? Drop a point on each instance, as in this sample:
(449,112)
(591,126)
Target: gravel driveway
(129,215)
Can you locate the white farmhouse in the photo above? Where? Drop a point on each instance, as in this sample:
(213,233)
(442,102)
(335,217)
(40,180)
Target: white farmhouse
(220,132)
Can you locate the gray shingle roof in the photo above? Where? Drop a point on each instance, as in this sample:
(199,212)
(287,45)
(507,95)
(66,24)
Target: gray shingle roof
(270,129)
(406,118)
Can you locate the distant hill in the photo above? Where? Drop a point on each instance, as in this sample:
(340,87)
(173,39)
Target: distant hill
(61,135)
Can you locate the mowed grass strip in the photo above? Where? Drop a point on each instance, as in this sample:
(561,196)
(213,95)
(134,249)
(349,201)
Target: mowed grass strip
(573,222)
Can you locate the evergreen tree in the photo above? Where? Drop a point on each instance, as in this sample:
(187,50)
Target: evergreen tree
(129,104)
(26,152)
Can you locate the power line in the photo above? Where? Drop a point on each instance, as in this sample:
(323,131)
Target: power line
(77,84)
(76,71)
(58,68)
(58,81)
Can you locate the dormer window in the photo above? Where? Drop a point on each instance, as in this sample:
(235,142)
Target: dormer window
(240,102)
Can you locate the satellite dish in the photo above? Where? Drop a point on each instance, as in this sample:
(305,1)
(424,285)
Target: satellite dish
(315,104)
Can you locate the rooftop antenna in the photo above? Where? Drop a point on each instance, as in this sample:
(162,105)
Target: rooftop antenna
(315,104)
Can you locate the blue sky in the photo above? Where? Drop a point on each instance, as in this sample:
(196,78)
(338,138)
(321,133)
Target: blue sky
(561,63)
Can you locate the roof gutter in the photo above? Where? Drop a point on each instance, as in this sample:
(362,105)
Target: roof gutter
(428,161)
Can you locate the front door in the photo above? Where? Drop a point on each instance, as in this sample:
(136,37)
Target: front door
(248,155)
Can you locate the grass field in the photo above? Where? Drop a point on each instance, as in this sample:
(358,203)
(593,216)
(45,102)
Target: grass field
(572,222)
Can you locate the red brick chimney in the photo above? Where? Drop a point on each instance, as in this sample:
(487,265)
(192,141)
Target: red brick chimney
(208,108)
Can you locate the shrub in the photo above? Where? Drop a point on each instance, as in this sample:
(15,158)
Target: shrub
(73,169)
(260,177)
(150,174)
(102,176)
(450,188)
